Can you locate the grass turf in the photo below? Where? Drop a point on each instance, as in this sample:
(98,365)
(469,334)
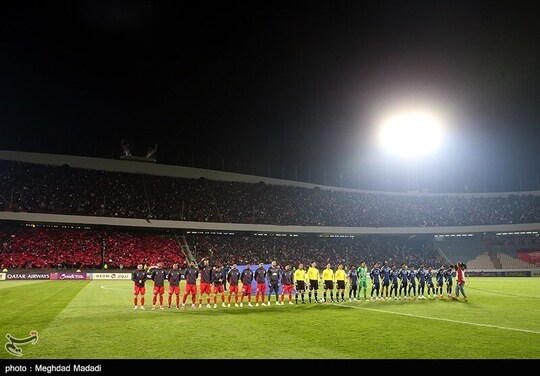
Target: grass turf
(95,320)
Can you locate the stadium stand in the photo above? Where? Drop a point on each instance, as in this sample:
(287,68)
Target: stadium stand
(66,190)
(509,262)
(293,250)
(51,248)
(94,192)
(482,261)
(461,250)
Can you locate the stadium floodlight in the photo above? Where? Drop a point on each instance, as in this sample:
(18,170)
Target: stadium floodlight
(411,134)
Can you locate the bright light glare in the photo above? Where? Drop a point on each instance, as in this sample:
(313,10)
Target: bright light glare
(411,134)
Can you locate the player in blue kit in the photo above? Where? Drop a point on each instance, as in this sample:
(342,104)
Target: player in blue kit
(448,277)
(385,280)
(375,276)
(440,281)
(353,283)
(394,281)
(429,283)
(404,279)
(421,276)
(412,283)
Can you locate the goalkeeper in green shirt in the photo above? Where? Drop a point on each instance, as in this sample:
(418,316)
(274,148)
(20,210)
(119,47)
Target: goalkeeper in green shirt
(362,279)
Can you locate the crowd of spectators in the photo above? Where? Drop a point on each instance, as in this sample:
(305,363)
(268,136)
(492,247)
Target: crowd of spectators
(65,190)
(52,248)
(293,250)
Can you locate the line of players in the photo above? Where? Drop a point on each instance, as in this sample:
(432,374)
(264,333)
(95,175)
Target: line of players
(386,282)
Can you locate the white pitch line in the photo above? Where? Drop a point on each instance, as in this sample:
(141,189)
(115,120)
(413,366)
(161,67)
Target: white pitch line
(443,319)
(112,288)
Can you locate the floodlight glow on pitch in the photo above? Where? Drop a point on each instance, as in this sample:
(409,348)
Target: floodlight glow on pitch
(411,134)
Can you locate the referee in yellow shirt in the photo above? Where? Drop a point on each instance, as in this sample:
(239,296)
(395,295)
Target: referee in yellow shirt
(340,282)
(313,276)
(300,282)
(328,281)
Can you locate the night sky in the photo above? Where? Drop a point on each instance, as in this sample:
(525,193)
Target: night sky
(282,89)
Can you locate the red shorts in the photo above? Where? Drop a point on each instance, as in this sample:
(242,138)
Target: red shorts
(246,289)
(218,289)
(233,289)
(261,288)
(174,290)
(287,289)
(191,289)
(139,290)
(159,289)
(205,288)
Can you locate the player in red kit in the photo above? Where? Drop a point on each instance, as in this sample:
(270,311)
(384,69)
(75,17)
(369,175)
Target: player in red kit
(233,277)
(246,277)
(260,278)
(173,277)
(138,277)
(158,276)
(191,274)
(287,280)
(206,283)
(217,280)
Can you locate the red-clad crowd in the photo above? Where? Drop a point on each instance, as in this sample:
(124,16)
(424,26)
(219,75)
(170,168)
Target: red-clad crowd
(47,248)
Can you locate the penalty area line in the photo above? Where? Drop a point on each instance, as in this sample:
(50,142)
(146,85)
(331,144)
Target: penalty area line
(443,319)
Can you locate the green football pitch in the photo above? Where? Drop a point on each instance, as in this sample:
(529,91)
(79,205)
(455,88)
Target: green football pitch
(96,320)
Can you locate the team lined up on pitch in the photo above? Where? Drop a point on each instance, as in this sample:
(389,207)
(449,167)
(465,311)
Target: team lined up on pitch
(386,282)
